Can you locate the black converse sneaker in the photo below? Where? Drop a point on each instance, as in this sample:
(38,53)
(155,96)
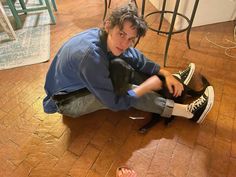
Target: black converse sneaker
(200,107)
(185,75)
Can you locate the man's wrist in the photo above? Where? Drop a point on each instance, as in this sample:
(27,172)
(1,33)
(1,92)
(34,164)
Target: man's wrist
(164,73)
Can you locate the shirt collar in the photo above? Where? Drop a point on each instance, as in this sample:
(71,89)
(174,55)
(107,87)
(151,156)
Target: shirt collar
(103,39)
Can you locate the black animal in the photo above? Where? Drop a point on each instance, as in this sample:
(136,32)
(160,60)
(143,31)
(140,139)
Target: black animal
(122,75)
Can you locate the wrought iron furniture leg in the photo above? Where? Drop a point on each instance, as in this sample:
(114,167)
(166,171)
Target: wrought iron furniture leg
(109,4)
(162,15)
(105,10)
(171,30)
(191,21)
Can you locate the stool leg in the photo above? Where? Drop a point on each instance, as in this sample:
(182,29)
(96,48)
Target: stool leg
(105,10)
(171,30)
(54,5)
(191,21)
(162,15)
(50,12)
(143,8)
(14,13)
(137,42)
(109,4)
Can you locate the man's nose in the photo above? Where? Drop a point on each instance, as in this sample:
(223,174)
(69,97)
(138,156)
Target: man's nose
(125,43)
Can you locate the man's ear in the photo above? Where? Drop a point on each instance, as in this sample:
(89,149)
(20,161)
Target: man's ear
(107,25)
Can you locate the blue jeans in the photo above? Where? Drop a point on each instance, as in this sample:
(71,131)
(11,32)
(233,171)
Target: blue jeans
(150,102)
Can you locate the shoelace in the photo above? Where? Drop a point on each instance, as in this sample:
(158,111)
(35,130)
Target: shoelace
(196,104)
(182,73)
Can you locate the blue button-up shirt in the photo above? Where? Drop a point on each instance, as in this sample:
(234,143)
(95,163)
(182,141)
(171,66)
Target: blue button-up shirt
(83,62)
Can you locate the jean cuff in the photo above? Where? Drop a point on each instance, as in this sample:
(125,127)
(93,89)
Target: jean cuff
(167,112)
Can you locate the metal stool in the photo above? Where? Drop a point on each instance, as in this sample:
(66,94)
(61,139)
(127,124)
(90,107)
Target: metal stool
(171,29)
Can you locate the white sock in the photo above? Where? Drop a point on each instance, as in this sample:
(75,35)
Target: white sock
(181,110)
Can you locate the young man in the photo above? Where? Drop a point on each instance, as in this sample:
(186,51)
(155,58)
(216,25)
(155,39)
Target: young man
(78,81)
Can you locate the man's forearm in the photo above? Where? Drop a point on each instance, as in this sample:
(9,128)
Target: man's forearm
(164,73)
(151,84)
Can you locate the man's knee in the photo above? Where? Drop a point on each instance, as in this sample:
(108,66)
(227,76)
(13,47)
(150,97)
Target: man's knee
(120,74)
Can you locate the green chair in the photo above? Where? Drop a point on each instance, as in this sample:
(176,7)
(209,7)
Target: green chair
(53,4)
(26,10)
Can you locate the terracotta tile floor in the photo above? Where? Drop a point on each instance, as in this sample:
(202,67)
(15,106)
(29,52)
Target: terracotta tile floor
(36,144)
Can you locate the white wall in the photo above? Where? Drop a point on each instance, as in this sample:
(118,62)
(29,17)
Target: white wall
(208,12)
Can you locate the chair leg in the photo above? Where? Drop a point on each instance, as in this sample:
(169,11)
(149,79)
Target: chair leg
(54,5)
(50,12)
(5,23)
(40,2)
(22,3)
(14,13)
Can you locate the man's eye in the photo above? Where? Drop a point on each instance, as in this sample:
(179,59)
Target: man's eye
(122,35)
(133,41)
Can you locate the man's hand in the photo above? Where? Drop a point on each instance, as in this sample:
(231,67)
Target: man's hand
(173,85)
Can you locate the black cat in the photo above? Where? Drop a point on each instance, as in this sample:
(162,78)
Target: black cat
(122,75)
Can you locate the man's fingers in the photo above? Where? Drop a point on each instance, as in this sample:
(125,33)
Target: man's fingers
(171,88)
(174,87)
(178,88)
(176,92)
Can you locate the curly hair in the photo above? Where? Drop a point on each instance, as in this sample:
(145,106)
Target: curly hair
(128,13)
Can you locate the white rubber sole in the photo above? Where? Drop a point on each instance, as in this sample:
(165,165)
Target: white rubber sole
(210,103)
(192,65)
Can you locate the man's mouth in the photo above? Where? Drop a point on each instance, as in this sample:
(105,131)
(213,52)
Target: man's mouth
(119,49)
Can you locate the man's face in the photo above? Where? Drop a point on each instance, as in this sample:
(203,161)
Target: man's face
(119,40)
